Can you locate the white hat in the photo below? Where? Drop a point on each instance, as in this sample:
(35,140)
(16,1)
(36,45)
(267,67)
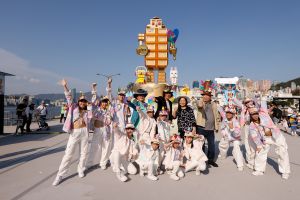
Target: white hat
(155,141)
(129,126)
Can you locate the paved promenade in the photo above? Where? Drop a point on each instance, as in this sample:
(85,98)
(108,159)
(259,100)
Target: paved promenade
(29,163)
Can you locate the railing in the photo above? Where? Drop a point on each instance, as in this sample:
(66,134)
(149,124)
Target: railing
(10,117)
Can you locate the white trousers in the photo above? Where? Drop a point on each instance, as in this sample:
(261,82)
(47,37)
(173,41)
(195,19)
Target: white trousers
(281,149)
(197,165)
(249,146)
(150,168)
(120,162)
(80,137)
(236,152)
(174,167)
(100,147)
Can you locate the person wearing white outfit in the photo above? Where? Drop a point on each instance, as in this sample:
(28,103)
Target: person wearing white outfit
(231,133)
(173,158)
(120,108)
(102,139)
(194,157)
(124,152)
(149,159)
(76,125)
(244,123)
(265,134)
(147,125)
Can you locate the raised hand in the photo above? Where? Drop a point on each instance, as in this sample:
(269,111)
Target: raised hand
(63,82)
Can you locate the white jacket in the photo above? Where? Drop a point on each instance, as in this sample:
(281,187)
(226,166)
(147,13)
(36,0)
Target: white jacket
(124,145)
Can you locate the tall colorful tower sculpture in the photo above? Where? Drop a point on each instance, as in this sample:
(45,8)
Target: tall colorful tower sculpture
(154,45)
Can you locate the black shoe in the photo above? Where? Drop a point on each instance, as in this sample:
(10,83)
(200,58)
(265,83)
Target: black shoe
(212,163)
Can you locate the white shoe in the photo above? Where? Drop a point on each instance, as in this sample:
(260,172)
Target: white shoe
(180,174)
(250,166)
(174,177)
(257,173)
(285,176)
(121,177)
(240,168)
(57,181)
(103,167)
(198,173)
(160,172)
(169,172)
(142,174)
(81,174)
(152,178)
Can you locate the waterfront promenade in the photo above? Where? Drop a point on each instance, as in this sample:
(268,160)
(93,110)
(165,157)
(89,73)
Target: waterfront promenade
(29,163)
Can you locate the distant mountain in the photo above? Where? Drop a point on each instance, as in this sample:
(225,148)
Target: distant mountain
(53,97)
(287,83)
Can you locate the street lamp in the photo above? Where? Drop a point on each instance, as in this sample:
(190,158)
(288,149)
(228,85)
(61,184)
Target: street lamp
(108,76)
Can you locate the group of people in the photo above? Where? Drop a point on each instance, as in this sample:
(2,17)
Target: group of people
(26,111)
(126,133)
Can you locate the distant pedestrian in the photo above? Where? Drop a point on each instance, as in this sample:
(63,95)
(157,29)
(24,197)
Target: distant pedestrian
(21,115)
(63,113)
(29,113)
(42,112)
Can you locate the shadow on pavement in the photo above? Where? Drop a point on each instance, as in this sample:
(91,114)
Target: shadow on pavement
(19,152)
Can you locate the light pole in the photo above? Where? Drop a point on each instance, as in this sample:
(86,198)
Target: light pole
(108,76)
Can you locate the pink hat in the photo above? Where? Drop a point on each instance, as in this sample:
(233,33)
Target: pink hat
(230,109)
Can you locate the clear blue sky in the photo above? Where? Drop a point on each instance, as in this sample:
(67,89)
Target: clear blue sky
(258,39)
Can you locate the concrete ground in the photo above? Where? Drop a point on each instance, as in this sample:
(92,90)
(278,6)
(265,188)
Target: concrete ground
(29,163)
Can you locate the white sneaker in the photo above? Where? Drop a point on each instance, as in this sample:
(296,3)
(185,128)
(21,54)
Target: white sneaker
(103,167)
(81,174)
(174,177)
(180,174)
(160,172)
(198,173)
(121,177)
(57,181)
(169,172)
(240,168)
(152,178)
(257,173)
(285,176)
(142,174)
(250,166)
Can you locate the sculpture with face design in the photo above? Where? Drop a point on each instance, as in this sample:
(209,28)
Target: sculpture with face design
(174,75)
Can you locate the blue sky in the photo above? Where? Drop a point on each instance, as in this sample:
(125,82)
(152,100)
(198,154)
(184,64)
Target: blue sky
(44,41)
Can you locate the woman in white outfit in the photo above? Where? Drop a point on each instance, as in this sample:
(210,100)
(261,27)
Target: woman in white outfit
(173,158)
(76,125)
(231,133)
(194,157)
(124,152)
(101,143)
(149,159)
(265,134)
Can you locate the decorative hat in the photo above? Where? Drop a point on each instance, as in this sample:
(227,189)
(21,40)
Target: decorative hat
(168,91)
(129,126)
(230,109)
(150,108)
(247,100)
(121,91)
(105,98)
(163,112)
(189,134)
(140,92)
(81,98)
(155,141)
(253,110)
(175,139)
(207,87)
